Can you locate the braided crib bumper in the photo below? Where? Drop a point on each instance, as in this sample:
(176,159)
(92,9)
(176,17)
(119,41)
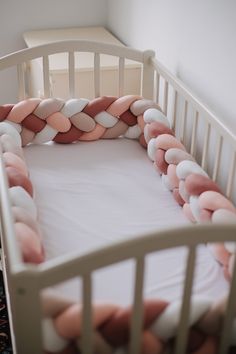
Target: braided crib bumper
(39,121)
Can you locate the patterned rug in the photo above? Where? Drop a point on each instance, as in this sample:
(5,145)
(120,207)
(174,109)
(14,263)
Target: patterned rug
(5,339)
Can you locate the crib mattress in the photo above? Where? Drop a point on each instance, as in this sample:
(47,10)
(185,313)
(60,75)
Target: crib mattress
(94,194)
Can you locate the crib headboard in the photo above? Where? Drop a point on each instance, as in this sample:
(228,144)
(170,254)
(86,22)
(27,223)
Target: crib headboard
(21,60)
(204,134)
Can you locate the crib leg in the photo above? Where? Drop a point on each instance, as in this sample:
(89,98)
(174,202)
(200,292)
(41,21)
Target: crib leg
(26,316)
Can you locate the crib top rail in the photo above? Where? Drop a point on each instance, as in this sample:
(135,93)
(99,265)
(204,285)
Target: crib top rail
(79,45)
(22,57)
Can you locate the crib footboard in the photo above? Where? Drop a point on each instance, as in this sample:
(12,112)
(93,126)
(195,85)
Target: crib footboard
(26,285)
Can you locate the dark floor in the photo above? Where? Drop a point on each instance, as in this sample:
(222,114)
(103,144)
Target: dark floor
(5,339)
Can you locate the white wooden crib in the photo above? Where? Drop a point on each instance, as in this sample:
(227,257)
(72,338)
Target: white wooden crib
(205,137)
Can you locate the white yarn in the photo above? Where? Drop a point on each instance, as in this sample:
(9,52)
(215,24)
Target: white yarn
(182,191)
(46,134)
(186,167)
(154,115)
(166,182)
(19,197)
(223,216)
(166,325)
(52,342)
(73,106)
(9,129)
(17,126)
(151,149)
(133,132)
(145,133)
(194,206)
(106,119)
(230,246)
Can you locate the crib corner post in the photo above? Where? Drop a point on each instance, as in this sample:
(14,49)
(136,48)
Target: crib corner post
(26,314)
(148,75)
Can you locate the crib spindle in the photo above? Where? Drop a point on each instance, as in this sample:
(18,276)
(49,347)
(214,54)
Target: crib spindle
(121,76)
(229,315)
(184,122)
(137,316)
(147,83)
(174,111)
(71,64)
(21,81)
(194,134)
(217,158)
(182,334)
(231,176)
(157,85)
(165,98)
(87,342)
(96,74)
(46,79)
(205,147)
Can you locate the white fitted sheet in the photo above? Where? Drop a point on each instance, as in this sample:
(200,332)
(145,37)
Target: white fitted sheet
(91,194)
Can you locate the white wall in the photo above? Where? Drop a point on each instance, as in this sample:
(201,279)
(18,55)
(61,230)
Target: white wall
(195,39)
(22,15)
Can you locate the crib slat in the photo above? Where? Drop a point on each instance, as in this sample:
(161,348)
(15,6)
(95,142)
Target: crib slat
(157,77)
(46,80)
(147,82)
(121,76)
(217,158)
(87,343)
(165,98)
(229,315)
(205,147)
(184,122)
(71,63)
(182,334)
(96,74)
(231,176)
(21,81)
(194,134)
(174,111)
(137,316)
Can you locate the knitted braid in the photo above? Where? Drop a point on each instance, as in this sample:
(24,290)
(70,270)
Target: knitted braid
(39,121)
(192,188)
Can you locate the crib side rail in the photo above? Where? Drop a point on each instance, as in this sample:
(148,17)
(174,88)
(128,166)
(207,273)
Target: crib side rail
(33,279)
(190,98)
(21,59)
(202,132)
